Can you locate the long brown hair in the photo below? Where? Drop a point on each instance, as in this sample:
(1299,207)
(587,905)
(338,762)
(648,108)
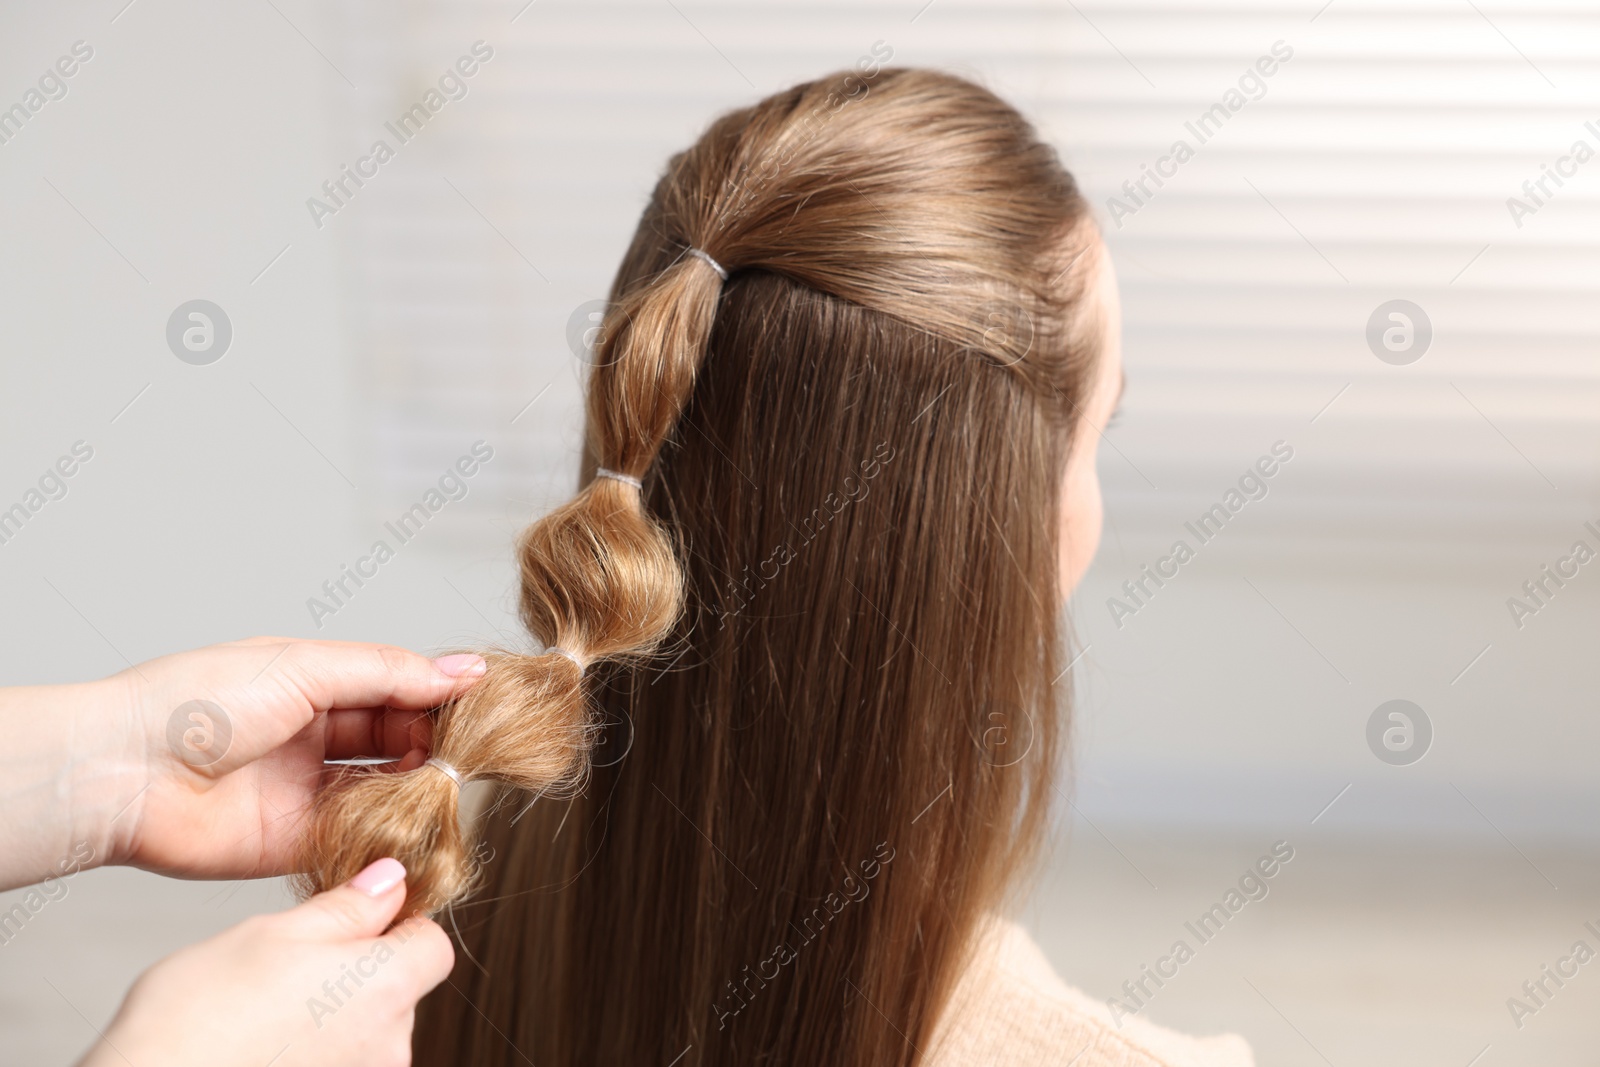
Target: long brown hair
(821,642)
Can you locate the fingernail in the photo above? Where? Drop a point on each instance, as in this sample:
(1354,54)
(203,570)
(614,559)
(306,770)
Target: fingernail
(462,663)
(379,877)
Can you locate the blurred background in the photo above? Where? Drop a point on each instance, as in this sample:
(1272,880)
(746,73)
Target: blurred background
(1398,152)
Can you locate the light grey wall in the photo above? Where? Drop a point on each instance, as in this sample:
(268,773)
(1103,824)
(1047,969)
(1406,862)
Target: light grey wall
(166,174)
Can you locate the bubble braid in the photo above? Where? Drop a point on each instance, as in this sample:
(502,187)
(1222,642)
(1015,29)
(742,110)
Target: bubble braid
(600,581)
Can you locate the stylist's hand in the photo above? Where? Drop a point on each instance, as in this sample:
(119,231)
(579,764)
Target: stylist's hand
(203,764)
(321,984)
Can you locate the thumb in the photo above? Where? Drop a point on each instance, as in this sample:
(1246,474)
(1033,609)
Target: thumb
(362,907)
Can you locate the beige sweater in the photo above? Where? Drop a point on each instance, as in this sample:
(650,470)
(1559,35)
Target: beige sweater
(1011,1010)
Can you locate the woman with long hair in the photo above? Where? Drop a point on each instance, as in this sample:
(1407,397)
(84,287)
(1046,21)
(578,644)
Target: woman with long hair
(800,720)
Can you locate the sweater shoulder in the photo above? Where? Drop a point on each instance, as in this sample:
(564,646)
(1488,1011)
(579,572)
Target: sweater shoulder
(1010,1009)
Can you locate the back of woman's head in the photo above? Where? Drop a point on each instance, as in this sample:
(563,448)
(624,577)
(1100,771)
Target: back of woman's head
(811,661)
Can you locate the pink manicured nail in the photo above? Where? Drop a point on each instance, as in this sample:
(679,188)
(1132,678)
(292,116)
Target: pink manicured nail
(379,877)
(462,663)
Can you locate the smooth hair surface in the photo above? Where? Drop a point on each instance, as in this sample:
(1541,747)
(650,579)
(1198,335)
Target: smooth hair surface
(818,720)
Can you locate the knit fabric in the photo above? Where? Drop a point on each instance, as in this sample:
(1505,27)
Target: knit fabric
(1010,1009)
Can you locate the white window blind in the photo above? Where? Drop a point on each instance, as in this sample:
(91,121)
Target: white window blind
(1373,164)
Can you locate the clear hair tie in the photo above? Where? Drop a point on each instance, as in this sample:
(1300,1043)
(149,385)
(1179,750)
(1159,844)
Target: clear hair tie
(700,254)
(449,771)
(555,650)
(618,476)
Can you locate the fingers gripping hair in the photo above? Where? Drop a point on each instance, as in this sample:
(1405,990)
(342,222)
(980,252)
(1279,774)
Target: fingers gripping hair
(600,580)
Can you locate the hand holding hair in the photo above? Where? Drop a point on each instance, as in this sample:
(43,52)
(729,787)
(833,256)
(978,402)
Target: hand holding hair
(203,764)
(326,984)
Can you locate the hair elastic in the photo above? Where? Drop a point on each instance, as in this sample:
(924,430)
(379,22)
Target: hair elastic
(555,650)
(714,264)
(618,476)
(450,772)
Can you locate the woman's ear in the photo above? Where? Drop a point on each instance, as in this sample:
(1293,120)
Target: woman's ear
(1082,509)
